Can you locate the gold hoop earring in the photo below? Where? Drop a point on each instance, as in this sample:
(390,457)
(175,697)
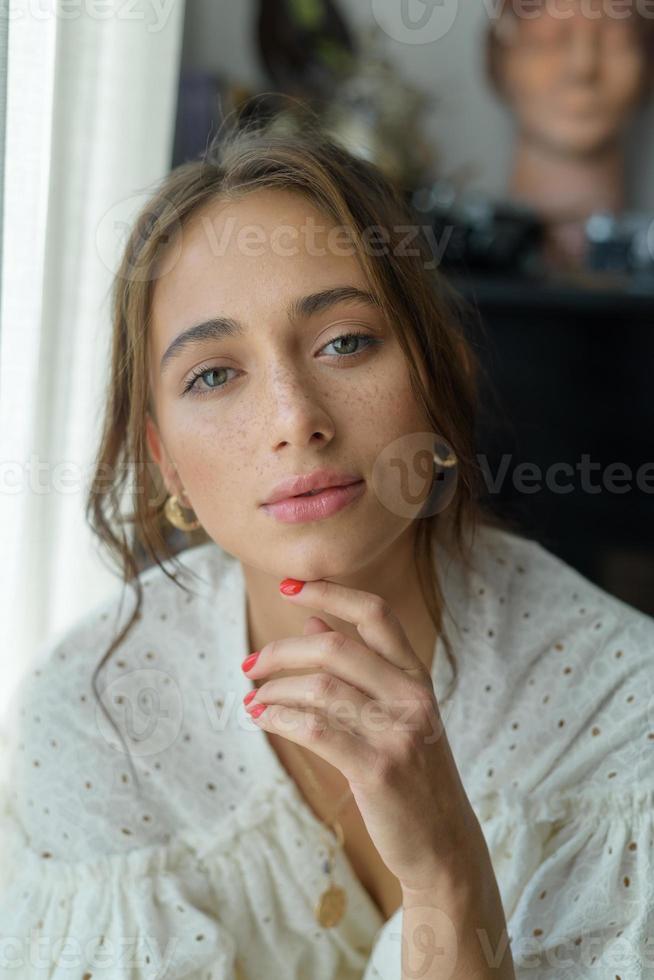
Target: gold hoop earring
(174,515)
(448,463)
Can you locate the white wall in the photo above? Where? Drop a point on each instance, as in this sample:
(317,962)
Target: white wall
(468,127)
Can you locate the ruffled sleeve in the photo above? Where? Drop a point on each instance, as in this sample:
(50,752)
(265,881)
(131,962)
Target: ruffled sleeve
(587,911)
(142,914)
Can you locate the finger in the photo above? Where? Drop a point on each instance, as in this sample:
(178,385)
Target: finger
(343,657)
(376,623)
(344,707)
(344,750)
(315,625)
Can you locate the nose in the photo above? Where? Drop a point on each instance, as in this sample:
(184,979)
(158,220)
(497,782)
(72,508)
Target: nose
(584,48)
(295,408)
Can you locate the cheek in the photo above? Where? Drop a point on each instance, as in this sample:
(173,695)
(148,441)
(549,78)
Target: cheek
(207,450)
(623,82)
(391,408)
(529,80)
(534,106)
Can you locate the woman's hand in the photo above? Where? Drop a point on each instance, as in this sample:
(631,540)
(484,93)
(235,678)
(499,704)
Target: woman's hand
(370,710)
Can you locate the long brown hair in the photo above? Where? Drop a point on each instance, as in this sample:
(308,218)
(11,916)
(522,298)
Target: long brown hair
(421,307)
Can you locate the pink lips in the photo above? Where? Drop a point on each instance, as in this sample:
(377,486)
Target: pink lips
(297,510)
(302,483)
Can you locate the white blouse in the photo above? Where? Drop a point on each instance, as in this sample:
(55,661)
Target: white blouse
(213,870)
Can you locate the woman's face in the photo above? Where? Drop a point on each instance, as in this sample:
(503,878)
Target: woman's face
(273,401)
(572,74)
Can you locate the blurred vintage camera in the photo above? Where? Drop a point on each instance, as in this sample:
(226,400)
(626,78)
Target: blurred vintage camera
(621,243)
(479,235)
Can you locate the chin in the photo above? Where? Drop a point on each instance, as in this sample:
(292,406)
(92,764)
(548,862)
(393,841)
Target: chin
(593,144)
(574,141)
(321,560)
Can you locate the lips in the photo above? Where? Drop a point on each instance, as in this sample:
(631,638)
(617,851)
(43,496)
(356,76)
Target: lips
(312,508)
(297,486)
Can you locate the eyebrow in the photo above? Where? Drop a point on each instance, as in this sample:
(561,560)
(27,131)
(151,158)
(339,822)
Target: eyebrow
(218,328)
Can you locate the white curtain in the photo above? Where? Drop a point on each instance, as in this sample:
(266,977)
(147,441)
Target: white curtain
(90,106)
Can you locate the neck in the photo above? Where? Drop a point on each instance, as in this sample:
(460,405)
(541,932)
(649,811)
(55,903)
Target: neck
(566,188)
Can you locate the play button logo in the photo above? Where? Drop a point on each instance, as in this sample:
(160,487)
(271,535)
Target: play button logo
(415,21)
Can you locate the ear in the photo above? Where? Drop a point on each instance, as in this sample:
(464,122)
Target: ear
(153,440)
(159,456)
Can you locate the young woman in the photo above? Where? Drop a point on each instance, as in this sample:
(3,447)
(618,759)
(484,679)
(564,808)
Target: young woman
(441,757)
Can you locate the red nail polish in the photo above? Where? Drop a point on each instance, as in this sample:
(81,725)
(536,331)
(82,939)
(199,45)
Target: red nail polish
(291,586)
(258,708)
(248,697)
(250,661)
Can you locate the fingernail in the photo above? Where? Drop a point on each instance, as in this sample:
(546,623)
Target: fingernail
(290,586)
(258,708)
(248,697)
(250,661)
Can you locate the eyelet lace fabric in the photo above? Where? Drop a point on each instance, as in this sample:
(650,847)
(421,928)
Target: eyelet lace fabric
(208,865)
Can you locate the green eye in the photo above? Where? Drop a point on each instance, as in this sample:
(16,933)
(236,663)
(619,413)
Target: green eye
(192,387)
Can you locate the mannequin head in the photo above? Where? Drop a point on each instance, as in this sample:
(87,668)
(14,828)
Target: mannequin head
(572,71)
